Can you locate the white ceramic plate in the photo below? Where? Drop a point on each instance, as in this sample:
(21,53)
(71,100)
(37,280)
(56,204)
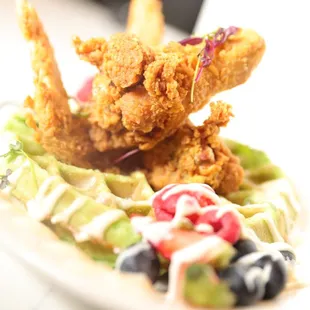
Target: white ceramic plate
(64,265)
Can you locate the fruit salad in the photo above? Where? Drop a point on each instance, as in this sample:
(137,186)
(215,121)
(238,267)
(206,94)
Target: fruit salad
(192,244)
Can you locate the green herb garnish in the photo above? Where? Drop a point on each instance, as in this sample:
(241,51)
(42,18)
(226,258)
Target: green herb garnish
(16,150)
(205,56)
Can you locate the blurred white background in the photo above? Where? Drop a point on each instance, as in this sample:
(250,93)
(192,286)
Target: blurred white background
(62,19)
(271,109)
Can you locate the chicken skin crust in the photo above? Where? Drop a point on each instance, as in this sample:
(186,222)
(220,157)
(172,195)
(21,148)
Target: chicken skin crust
(143,94)
(59,132)
(196,155)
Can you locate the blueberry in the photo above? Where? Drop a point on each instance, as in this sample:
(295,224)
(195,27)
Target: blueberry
(161,284)
(288,255)
(277,281)
(236,277)
(277,274)
(243,247)
(140,257)
(274,275)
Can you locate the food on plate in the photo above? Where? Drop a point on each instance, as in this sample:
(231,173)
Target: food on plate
(59,132)
(73,139)
(143,94)
(130,181)
(196,154)
(186,239)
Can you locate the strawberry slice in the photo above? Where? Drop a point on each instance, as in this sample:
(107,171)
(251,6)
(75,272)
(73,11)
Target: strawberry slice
(176,240)
(225,222)
(172,197)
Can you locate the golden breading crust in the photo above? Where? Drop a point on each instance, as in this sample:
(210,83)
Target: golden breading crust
(196,154)
(148,91)
(59,132)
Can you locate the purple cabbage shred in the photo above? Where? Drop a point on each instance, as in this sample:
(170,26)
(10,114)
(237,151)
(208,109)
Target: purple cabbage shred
(207,53)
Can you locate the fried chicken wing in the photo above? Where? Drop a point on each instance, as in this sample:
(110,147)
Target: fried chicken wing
(196,154)
(148,90)
(59,132)
(146,20)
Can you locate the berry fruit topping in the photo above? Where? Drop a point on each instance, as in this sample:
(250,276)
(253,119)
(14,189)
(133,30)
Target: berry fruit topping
(183,200)
(288,255)
(84,94)
(243,247)
(176,240)
(161,284)
(273,271)
(245,283)
(140,257)
(225,223)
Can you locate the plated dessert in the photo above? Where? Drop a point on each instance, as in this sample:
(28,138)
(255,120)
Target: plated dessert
(121,173)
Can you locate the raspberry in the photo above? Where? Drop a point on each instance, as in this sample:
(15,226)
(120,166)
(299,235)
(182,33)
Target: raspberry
(190,197)
(85,92)
(225,222)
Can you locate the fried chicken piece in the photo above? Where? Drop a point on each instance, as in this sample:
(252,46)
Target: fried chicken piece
(146,20)
(58,131)
(196,154)
(149,90)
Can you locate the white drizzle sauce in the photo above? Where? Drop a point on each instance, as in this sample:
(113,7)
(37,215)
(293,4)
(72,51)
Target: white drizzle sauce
(255,256)
(203,251)
(158,193)
(281,246)
(204,228)
(123,203)
(14,176)
(66,214)
(261,275)
(265,246)
(186,205)
(42,205)
(85,183)
(157,231)
(250,233)
(139,223)
(194,187)
(97,227)
(131,252)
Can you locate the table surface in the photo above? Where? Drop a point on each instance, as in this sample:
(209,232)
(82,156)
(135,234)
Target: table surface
(276,115)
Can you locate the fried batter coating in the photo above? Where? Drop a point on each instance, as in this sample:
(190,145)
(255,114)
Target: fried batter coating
(149,90)
(92,50)
(146,20)
(141,97)
(58,131)
(196,154)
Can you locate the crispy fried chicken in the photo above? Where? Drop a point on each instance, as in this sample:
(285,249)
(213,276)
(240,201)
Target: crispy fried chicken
(196,155)
(59,132)
(142,99)
(146,91)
